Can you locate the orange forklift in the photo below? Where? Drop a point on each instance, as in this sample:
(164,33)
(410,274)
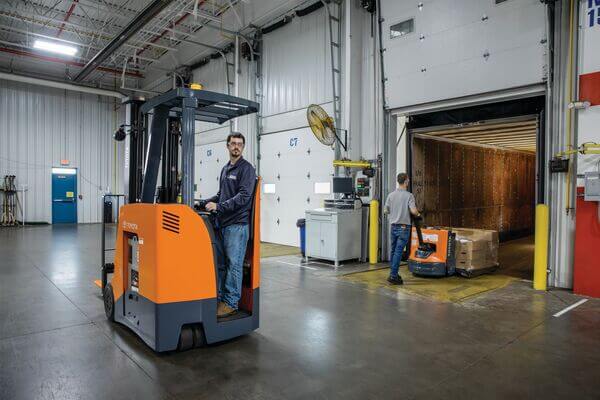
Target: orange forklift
(164,275)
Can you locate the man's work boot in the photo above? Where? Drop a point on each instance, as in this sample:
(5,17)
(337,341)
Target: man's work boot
(395,280)
(223,310)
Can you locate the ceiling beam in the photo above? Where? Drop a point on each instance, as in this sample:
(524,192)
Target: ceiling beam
(128,31)
(66,19)
(67,62)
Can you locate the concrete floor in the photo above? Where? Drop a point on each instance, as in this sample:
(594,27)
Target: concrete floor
(516,257)
(321,337)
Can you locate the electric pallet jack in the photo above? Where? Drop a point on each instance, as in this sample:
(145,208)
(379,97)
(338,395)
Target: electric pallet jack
(432,251)
(164,275)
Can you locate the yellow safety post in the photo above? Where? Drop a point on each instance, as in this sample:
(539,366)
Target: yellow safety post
(540,263)
(373,231)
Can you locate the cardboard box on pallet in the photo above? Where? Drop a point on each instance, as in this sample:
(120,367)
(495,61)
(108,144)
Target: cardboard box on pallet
(476,251)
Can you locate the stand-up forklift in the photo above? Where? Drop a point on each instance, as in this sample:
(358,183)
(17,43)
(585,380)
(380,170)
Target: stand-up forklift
(164,275)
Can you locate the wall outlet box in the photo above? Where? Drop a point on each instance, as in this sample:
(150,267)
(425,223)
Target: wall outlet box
(592,186)
(559,165)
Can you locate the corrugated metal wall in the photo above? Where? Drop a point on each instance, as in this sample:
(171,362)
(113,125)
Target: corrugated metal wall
(468,186)
(41,126)
(296,65)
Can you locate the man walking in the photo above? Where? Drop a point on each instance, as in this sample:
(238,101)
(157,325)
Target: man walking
(232,205)
(399,206)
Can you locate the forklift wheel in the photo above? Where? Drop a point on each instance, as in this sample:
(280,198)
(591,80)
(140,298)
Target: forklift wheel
(109,302)
(199,338)
(186,339)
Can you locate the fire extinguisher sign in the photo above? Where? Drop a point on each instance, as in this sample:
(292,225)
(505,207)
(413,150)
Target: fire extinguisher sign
(593,13)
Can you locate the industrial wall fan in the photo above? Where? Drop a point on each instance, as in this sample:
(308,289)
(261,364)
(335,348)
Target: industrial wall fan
(323,126)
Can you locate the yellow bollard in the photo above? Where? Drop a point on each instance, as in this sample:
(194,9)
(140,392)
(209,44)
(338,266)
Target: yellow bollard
(373,231)
(540,263)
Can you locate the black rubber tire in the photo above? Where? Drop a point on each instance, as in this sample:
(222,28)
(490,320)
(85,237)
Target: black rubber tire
(186,339)
(109,302)
(199,337)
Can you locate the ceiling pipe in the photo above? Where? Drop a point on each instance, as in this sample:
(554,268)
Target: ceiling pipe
(60,85)
(128,31)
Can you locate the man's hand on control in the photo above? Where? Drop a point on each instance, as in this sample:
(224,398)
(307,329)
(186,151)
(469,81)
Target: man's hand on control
(210,206)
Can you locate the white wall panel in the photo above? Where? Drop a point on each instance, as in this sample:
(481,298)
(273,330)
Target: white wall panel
(213,77)
(444,57)
(40,126)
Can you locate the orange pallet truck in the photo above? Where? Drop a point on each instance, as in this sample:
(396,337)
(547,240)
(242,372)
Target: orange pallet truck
(432,251)
(164,275)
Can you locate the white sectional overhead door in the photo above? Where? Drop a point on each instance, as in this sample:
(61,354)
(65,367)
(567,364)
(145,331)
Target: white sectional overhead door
(445,49)
(210,159)
(293,164)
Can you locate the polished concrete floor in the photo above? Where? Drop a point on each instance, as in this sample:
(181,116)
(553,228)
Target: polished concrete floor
(321,337)
(516,257)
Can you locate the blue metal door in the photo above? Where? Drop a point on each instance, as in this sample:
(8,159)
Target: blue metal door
(64,196)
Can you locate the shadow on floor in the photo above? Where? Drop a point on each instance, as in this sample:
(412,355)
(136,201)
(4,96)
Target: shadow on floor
(516,258)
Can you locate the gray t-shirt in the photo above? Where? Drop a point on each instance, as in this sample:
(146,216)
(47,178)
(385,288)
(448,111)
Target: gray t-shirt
(398,205)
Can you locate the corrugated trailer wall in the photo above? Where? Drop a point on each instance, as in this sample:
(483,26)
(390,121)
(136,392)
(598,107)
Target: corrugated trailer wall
(470,186)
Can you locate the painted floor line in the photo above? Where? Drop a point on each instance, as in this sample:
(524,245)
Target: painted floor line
(572,306)
(296,265)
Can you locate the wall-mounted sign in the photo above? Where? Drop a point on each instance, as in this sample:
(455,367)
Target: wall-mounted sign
(593,7)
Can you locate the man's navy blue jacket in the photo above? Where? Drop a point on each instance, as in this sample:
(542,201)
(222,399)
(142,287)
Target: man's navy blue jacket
(236,187)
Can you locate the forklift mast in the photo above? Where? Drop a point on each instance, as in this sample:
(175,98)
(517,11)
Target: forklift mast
(170,121)
(161,141)
(134,149)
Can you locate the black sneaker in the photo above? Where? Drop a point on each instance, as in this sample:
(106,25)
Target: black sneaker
(395,280)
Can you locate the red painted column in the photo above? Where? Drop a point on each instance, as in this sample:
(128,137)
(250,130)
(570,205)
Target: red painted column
(586,275)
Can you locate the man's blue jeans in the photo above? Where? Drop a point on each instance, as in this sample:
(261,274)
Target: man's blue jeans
(232,251)
(400,235)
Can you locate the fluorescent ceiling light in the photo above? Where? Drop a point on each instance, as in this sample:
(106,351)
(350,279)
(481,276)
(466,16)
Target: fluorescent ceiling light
(64,171)
(55,47)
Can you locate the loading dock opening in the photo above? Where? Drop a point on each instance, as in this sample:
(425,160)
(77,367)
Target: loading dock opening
(482,167)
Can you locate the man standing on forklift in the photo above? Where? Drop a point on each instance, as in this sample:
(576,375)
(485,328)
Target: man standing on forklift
(399,206)
(232,204)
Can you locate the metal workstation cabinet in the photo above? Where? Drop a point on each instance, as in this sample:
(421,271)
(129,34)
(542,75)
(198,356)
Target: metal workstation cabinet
(333,235)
